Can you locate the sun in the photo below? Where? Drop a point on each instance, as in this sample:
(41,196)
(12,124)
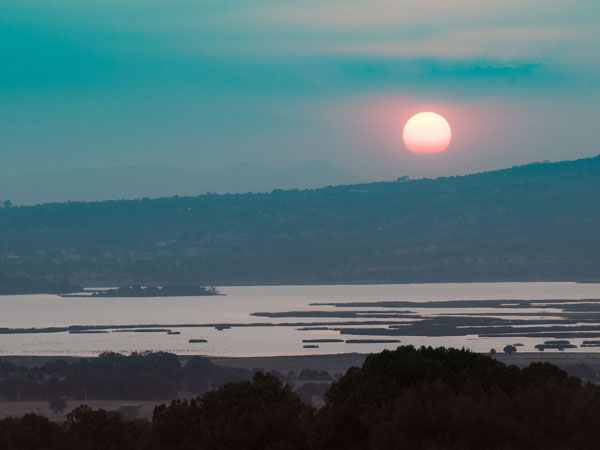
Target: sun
(427,132)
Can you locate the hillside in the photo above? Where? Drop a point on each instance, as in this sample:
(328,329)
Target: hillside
(534,222)
(26,285)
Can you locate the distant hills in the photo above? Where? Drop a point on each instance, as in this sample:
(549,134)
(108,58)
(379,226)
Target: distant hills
(152,181)
(535,222)
(21,285)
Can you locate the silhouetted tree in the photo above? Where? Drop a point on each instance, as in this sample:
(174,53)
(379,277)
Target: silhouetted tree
(30,432)
(258,415)
(510,349)
(98,430)
(417,399)
(453,399)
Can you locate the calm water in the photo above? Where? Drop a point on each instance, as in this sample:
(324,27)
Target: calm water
(236,307)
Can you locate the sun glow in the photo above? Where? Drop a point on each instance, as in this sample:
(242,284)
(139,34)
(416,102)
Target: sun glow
(427,132)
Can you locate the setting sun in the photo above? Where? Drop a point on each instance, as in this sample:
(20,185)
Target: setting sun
(427,132)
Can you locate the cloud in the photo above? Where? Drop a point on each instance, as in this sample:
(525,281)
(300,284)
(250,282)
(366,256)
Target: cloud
(498,30)
(500,44)
(340,15)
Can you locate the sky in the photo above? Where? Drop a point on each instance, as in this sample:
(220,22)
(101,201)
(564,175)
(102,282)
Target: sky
(207,83)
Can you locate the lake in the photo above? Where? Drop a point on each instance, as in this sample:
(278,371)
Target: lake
(294,306)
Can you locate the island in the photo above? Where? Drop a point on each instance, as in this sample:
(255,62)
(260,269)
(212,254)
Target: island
(151,291)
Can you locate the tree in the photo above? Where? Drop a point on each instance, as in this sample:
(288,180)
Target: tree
(510,349)
(30,432)
(7,203)
(455,400)
(348,418)
(258,415)
(99,430)
(407,399)
(57,404)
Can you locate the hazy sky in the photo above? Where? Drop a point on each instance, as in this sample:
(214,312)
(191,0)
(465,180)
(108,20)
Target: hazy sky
(203,83)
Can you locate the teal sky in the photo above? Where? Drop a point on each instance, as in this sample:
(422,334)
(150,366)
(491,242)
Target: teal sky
(203,84)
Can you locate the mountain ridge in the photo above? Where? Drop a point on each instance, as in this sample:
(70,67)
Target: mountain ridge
(537,222)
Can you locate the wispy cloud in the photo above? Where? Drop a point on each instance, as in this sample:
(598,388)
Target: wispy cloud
(436,28)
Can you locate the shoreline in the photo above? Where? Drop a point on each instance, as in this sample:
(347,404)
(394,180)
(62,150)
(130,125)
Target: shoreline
(107,286)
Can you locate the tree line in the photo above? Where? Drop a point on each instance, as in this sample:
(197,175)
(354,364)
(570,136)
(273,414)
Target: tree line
(139,376)
(418,399)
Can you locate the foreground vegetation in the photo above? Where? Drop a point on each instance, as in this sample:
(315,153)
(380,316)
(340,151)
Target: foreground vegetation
(139,376)
(536,222)
(403,399)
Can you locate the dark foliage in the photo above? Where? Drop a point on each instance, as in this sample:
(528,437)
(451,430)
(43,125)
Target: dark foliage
(98,430)
(258,415)
(30,432)
(451,399)
(509,349)
(201,375)
(139,376)
(425,399)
